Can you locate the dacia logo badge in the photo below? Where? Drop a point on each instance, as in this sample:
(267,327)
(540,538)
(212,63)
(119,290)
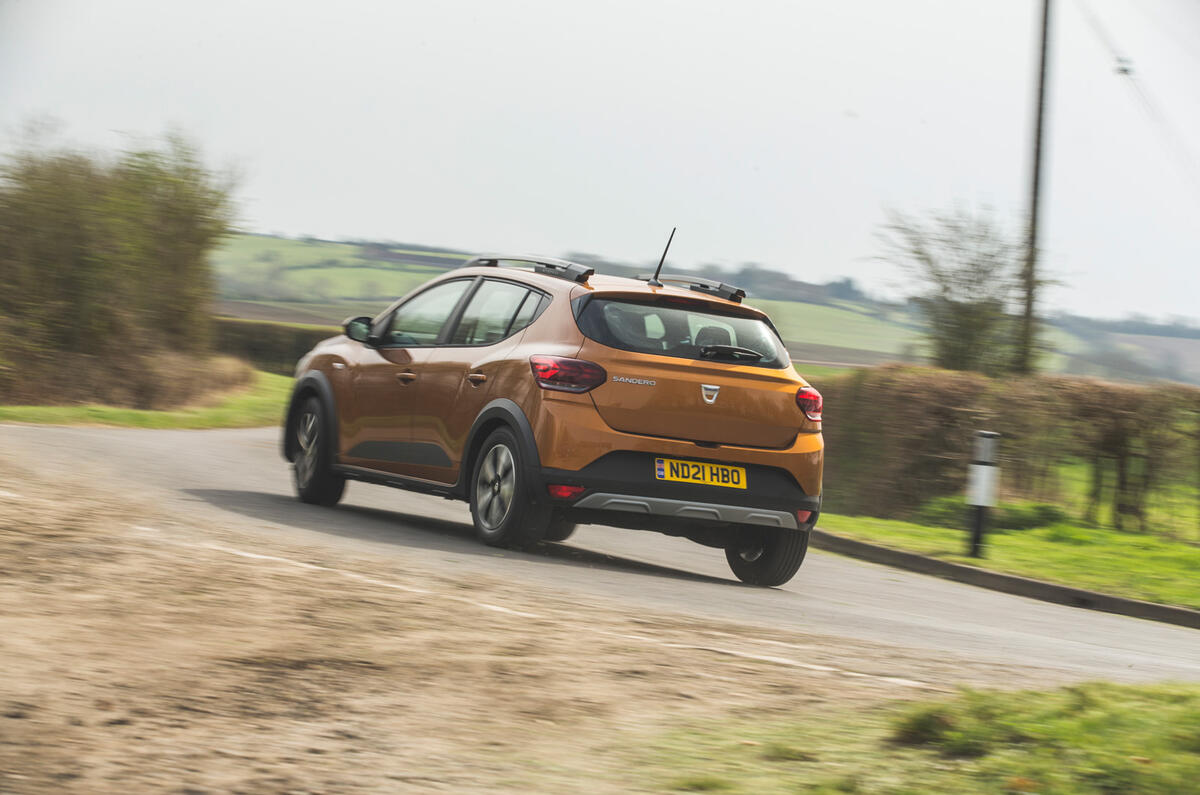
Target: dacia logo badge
(710,393)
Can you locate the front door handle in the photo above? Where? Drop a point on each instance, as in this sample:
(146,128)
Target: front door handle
(406,377)
(476,378)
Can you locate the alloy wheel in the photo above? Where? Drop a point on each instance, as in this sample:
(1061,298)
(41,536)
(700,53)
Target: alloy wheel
(495,486)
(308,432)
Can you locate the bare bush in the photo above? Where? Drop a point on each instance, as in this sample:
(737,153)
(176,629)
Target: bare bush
(966,266)
(900,436)
(104,262)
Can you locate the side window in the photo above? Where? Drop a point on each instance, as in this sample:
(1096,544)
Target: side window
(419,321)
(488,316)
(528,311)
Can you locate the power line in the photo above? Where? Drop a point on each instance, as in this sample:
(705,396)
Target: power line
(1175,141)
(1172,32)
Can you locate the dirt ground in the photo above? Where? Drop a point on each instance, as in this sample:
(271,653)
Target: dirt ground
(143,652)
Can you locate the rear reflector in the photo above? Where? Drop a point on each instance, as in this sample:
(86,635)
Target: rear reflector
(566,375)
(565,492)
(810,402)
(803,516)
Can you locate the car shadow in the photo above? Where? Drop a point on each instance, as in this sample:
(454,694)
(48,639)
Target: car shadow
(415,530)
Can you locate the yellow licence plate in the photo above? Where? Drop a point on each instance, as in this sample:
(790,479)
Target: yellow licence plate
(700,474)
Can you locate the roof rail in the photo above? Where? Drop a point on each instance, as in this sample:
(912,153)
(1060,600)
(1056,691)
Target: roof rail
(548,266)
(702,285)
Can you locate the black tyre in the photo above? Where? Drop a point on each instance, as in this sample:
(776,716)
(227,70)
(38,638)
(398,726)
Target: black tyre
(312,472)
(560,528)
(767,556)
(501,504)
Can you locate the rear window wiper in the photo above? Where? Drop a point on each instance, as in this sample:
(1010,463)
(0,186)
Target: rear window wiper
(731,352)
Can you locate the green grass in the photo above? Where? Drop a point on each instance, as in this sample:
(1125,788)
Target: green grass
(1093,738)
(1172,510)
(260,404)
(1123,564)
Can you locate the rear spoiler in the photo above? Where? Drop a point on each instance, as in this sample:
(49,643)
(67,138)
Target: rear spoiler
(707,286)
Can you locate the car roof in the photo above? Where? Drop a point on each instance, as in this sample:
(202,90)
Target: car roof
(602,283)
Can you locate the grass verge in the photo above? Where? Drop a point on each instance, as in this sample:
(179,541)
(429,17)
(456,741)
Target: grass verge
(1091,738)
(262,403)
(1123,564)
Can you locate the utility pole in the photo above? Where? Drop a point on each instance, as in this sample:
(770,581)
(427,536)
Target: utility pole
(1023,362)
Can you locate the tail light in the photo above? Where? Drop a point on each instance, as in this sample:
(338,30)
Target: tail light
(566,375)
(810,402)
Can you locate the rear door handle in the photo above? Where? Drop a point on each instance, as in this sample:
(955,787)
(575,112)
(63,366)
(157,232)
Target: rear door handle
(476,378)
(406,377)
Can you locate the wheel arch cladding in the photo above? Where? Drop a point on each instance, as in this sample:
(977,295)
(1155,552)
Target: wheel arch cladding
(501,412)
(311,384)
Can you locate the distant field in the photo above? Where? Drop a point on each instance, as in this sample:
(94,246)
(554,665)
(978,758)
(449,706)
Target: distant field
(814,374)
(238,250)
(1174,353)
(318,314)
(257,268)
(840,326)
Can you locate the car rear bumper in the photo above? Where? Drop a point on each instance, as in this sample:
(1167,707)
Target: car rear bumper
(620,489)
(688,510)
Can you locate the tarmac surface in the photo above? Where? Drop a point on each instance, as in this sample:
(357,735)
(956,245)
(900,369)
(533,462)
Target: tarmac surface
(237,478)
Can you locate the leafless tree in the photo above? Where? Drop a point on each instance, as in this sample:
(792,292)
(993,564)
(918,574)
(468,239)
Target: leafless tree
(966,265)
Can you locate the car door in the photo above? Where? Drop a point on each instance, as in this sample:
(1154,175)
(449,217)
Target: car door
(456,378)
(388,376)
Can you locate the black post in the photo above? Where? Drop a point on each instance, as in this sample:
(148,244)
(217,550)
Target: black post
(981,488)
(978,528)
(1023,361)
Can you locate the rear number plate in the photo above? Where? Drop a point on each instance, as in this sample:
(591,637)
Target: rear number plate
(701,474)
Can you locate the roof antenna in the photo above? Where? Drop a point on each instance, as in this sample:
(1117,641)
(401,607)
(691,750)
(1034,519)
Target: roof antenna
(654,282)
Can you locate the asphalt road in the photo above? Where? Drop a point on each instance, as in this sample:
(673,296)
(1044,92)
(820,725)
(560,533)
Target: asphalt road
(238,478)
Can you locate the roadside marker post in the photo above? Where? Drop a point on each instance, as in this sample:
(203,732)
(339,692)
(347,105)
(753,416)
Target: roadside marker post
(981,487)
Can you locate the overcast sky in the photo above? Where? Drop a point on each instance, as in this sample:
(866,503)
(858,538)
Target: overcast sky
(773,132)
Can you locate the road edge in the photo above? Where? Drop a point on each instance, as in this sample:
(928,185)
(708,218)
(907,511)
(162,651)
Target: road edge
(1006,583)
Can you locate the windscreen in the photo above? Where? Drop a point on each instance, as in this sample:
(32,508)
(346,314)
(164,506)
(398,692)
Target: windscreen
(685,329)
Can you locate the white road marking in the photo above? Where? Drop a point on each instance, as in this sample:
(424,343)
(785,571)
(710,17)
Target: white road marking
(9,495)
(312,566)
(380,583)
(784,661)
(499,609)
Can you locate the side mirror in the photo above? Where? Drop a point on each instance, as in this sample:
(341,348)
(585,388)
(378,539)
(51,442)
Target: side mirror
(358,328)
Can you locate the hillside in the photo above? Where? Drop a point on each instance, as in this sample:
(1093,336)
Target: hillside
(323,282)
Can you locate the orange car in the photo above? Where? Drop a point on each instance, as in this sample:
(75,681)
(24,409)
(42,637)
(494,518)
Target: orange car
(547,396)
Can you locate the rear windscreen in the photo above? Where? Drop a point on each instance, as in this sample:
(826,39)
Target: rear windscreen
(690,331)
